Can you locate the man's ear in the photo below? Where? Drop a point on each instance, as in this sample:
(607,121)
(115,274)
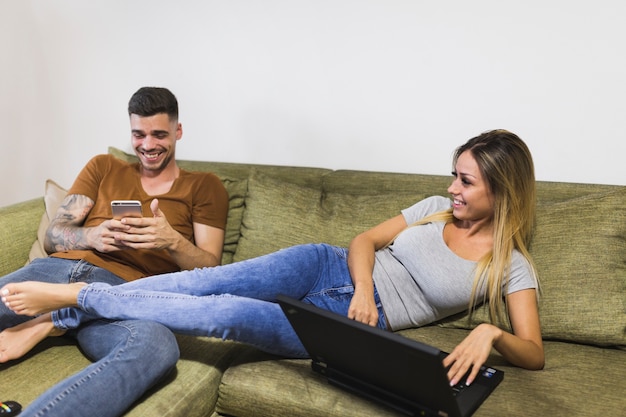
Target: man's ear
(179,131)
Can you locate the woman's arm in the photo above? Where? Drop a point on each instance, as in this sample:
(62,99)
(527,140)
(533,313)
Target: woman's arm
(523,347)
(361,264)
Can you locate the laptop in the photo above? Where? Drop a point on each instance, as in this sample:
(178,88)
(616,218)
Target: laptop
(391,369)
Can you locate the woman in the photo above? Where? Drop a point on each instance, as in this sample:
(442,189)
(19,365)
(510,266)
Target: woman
(438,258)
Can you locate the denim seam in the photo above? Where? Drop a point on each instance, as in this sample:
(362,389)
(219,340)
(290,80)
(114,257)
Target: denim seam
(329,291)
(81,269)
(56,322)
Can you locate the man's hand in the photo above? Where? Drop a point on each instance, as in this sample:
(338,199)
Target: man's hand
(66,231)
(146,232)
(156,233)
(102,238)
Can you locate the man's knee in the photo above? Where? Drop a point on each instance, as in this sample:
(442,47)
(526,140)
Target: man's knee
(161,344)
(136,341)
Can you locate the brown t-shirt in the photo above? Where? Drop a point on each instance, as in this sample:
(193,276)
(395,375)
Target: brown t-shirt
(195,197)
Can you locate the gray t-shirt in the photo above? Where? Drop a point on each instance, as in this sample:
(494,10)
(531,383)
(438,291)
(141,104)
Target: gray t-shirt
(420,280)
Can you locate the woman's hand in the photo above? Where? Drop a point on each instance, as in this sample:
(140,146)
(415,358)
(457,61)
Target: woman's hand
(361,264)
(523,347)
(471,353)
(363,308)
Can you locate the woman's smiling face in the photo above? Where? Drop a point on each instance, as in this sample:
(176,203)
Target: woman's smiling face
(473,200)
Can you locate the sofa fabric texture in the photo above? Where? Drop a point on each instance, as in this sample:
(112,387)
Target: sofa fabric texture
(579,249)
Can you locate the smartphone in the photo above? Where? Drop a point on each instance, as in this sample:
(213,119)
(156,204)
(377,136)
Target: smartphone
(126,208)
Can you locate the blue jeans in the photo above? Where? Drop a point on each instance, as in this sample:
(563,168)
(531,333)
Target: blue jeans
(53,270)
(130,356)
(235,301)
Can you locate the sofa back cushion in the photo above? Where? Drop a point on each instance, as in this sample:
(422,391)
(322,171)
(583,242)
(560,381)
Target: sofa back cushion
(579,249)
(388,183)
(279,214)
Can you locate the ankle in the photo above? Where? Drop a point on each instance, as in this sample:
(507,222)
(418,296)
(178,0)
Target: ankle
(70,296)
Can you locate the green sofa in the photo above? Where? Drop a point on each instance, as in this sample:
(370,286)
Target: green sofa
(579,249)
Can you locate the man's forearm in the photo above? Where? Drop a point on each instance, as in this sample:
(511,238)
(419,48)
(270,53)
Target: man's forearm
(189,256)
(65,231)
(61,238)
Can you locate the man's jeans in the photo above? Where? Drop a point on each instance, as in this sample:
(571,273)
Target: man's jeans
(53,270)
(130,356)
(235,301)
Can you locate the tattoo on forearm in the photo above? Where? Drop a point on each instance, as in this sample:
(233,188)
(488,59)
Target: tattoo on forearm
(66,230)
(67,238)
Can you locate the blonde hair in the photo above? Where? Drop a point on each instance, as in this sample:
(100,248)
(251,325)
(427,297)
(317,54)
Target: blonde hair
(507,166)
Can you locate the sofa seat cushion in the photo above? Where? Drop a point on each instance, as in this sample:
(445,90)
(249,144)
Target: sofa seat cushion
(24,380)
(260,385)
(578,380)
(190,390)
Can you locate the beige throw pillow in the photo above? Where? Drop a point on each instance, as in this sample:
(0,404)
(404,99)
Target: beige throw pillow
(53,197)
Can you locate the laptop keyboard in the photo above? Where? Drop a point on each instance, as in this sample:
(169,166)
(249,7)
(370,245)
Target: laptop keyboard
(458,388)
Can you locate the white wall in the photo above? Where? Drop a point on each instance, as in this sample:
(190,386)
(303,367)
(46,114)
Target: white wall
(390,85)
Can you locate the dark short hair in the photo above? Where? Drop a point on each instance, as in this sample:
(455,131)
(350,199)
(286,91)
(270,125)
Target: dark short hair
(148,101)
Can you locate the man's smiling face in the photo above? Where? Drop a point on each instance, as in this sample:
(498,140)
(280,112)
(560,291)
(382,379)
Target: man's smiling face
(154,140)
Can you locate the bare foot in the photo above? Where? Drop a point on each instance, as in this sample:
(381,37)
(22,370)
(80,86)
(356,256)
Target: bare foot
(32,298)
(17,341)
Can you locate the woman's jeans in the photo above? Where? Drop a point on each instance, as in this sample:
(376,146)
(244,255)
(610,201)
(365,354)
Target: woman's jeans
(236,301)
(130,356)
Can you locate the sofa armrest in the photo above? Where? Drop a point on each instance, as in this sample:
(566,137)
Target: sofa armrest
(18,231)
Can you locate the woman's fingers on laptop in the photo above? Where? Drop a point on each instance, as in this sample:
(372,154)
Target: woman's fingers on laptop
(469,355)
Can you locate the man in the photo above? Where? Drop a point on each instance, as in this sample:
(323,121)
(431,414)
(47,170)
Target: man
(183,228)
